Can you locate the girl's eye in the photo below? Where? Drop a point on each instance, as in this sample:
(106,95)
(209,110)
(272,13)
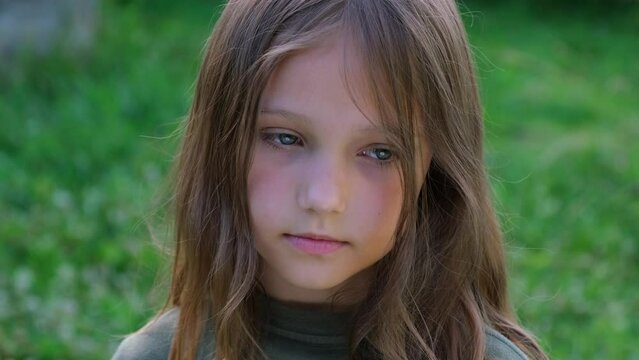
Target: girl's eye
(281,139)
(381,155)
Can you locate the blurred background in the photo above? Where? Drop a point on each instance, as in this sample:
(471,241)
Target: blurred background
(91,93)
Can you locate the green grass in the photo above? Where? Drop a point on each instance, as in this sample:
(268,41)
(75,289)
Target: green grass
(84,152)
(81,158)
(562,122)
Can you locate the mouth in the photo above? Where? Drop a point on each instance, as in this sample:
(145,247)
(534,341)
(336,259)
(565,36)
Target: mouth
(314,244)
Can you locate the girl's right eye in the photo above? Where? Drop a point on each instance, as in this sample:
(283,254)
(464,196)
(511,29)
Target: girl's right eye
(281,139)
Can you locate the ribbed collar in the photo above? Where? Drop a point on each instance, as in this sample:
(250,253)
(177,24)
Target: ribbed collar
(302,324)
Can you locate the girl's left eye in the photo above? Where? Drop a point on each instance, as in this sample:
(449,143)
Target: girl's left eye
(382,156)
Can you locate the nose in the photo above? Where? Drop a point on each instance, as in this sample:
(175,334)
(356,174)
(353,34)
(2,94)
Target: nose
(324,187)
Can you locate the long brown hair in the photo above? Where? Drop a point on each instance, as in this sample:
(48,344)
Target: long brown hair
(444,281)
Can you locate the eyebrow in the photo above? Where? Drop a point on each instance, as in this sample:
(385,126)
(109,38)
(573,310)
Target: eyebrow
(295,117)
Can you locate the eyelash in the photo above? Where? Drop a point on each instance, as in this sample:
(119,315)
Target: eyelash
(270,139)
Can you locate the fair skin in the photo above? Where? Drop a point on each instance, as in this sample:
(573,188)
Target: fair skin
(321,165)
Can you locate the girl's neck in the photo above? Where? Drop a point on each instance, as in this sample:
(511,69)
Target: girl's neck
(344,297)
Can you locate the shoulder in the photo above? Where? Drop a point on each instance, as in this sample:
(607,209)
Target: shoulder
(498,347)
(151,342)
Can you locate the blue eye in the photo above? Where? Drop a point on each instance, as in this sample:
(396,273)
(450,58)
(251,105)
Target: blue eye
(287,139)
(379,154)
(284,139)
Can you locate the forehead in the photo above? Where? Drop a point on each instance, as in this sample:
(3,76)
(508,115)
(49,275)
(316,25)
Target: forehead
(322,79)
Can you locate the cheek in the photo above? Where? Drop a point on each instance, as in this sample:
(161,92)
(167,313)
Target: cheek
(380,201)
(268,190)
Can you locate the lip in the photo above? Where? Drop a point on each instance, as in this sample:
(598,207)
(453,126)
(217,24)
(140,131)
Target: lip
(314,244)
(314,236)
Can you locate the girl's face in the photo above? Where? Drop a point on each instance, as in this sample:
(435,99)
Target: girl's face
(320,169)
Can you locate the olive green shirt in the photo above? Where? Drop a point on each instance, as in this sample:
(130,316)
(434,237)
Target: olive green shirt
(289,333)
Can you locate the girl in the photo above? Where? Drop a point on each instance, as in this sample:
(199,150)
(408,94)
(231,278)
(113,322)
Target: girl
(331,200)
